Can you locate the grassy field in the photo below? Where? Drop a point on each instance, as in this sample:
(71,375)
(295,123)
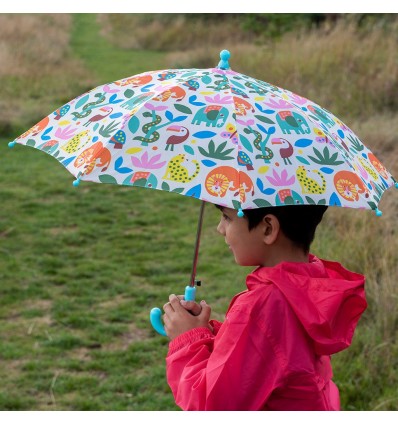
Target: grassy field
(80,268)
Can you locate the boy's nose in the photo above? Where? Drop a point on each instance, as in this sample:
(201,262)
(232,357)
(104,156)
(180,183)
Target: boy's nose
(220,228)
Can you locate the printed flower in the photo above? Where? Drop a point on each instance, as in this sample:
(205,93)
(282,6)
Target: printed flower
(107,89)
(298,99)
(247,123)
(65,133)
(147,163)
(281,180)
(280,104)
(155,108)
(220,100)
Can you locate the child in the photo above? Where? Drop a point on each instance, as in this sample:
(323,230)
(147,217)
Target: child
(273,350)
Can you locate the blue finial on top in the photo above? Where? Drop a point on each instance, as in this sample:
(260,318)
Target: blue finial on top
(224,56)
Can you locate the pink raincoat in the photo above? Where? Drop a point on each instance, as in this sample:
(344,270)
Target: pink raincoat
(273,350)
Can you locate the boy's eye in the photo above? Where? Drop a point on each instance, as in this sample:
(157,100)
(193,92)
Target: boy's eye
(225,217)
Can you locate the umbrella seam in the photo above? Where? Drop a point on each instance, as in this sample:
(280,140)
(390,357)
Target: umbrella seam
(237,146)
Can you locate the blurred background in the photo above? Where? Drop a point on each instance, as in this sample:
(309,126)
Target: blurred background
(81,268)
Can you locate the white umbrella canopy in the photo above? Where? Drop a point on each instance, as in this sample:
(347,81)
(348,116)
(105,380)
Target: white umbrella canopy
(213,134)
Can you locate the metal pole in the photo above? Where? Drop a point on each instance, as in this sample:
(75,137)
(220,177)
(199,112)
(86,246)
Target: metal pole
(197,243)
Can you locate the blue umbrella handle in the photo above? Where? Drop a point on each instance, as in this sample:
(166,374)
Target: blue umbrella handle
(156,314)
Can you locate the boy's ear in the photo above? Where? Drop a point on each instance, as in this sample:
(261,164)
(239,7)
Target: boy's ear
(271,228)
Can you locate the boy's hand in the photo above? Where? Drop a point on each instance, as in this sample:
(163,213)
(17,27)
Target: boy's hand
(178,320)
(193,307)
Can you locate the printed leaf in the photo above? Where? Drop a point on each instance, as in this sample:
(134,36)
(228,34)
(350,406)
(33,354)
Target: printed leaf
(129,93)
(180,118)
(208,163)
(178,190)
(189,150)
(67,161)
(165,186)
(112,98)
(334,200)
(81,101)
(245,143)
(260,184)
(183,109)
(192,101)
(303,143)
(302,160)
(169,115)
(30,142)
(236,204)
(119,168)
(133,124)
(195,191)
(264,119)
(204,134)
(261,203)
(269,191)
(116,115)
(310,200)
(327,170)
(106,178)
(45,135)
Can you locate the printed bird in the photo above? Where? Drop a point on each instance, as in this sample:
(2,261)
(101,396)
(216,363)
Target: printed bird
(182,134)
(106,110)
(286,151)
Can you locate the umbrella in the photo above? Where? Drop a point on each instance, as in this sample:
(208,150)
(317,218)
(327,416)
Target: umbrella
(216,135)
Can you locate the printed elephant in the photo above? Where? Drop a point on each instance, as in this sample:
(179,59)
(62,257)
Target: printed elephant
(214,115)
(292,121)
(322,115)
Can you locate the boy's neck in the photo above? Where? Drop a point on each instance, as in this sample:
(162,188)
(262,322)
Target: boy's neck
(289,254)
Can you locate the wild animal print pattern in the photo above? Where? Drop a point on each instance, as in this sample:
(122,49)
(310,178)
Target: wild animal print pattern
(213,134)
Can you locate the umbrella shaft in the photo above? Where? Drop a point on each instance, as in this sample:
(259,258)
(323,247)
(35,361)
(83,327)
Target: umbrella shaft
(197,243)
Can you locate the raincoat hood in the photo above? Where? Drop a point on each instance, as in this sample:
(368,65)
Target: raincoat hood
(327,299)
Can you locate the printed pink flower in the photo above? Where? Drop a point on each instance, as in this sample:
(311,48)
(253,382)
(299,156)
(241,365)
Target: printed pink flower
(220,100)
(147,163)
(298,99)
(65,133)
(107,89)
(278,104)
(281,180)
(245,123)
(155,108)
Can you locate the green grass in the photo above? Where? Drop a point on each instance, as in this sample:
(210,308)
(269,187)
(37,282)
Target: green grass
(102,58)
(80,270)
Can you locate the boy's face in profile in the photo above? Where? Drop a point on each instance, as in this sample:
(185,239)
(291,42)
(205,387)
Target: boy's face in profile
(247,246)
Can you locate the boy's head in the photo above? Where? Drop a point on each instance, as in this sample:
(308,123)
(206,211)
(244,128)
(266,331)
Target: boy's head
(289,228)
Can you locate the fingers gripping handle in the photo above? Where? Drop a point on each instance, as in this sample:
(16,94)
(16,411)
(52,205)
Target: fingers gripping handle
(156,314)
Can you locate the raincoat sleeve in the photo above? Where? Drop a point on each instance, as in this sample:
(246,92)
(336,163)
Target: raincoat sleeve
(237,369)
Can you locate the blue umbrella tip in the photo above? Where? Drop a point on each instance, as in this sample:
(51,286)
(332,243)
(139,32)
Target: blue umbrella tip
(378,213)
(224,56)
(240,213)
(12,144)
(76,182)
(396,185)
